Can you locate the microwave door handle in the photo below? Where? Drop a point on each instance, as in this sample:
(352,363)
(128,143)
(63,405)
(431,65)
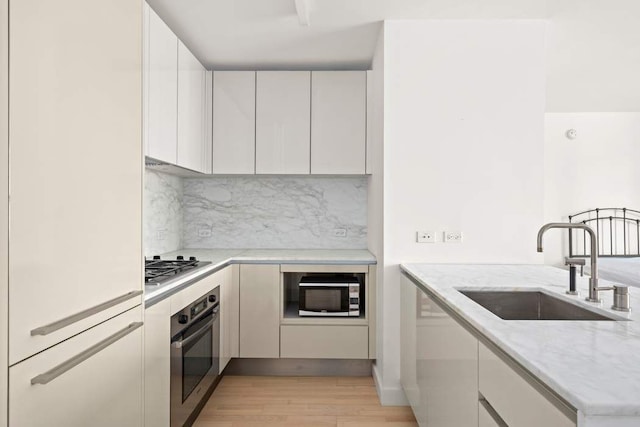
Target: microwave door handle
(200,332)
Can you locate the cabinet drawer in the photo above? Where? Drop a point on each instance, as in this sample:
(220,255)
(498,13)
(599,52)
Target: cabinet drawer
(186,296)
(324,342)
(516,400)
(486,418)
(104,389)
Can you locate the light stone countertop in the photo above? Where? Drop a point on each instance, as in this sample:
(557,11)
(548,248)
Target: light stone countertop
(593,365)
(220,258)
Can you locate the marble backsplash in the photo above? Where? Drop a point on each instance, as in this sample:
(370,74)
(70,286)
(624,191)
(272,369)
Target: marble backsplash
(275,212)
(162,210)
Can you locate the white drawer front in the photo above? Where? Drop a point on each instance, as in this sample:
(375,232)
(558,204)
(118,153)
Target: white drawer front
(516,401)
(104,390)
(325,342)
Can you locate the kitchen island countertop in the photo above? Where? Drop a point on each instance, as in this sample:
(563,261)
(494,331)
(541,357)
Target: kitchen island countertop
(593,365)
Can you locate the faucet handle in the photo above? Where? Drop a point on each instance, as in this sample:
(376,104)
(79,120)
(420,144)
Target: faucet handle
(621,298)
(574,261)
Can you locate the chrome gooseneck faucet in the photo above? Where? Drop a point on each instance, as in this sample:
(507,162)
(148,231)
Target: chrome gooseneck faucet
(593,281)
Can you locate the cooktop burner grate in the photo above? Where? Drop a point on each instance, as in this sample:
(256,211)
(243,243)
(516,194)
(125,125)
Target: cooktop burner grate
(159,270)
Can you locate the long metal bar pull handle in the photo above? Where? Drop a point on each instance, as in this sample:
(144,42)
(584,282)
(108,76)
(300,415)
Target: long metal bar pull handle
(59,324)
(54,373)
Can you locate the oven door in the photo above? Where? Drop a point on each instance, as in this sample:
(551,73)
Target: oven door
(194,365)
(323,299)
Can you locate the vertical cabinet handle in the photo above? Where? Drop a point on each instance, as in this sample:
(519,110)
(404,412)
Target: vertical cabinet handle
(54,373)
(59,324)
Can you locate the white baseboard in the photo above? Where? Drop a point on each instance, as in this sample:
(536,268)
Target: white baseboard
(389,396)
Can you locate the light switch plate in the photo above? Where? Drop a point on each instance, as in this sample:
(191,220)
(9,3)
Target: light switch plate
(426,237)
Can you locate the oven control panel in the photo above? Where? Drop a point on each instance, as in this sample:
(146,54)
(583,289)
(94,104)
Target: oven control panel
(192,312)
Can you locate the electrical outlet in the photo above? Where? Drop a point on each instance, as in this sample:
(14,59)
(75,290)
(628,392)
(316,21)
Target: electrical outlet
(426,237)
(204,232)
(340,232)
(161,234)
(452,236)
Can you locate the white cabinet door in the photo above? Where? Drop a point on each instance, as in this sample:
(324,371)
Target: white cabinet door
(4,206)
(161,89)
(208,123)
(408,356)
(229,315)
(157,364)
(260,311)
(234,122)
(516,397)
(191,111)
(75,113)
(283,122)
(338,122)
(446,364)
(486,418)
(92,379)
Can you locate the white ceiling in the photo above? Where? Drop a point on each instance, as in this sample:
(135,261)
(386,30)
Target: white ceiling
(593,45)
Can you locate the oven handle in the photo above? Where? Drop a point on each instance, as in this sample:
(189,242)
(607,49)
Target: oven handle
(198,333)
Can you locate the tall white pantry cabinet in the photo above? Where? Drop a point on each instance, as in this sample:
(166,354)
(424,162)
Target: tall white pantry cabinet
(75,241)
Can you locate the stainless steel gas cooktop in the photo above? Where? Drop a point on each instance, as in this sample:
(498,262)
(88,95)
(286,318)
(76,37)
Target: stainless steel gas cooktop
(158,271)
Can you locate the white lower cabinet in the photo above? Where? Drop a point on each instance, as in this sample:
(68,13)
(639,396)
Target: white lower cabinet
(259,311)
(229,315)
(442,375)
(486,419)
(157,364)
(324,341)
(514,395)
(92,379)
(452,379)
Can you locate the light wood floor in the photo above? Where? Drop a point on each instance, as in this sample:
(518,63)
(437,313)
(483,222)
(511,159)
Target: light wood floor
(300,401)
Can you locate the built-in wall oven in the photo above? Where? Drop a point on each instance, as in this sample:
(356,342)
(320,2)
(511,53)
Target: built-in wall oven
(195,353)
(329,295)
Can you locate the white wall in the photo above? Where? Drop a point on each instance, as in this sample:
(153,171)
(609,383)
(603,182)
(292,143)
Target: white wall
(593,55)
(600,168)
(463,151)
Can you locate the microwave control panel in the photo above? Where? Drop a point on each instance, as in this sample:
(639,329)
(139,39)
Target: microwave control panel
(354,300)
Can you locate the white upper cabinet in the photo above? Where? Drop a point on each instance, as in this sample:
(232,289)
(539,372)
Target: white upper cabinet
(338,122)
(283,122)
(161,88)
(192,149)
(208,123)
(234,118)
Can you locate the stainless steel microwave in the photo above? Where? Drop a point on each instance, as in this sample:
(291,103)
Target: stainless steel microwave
(329,296)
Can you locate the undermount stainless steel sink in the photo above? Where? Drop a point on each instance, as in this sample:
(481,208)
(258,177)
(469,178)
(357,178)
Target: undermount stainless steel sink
(531,305)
